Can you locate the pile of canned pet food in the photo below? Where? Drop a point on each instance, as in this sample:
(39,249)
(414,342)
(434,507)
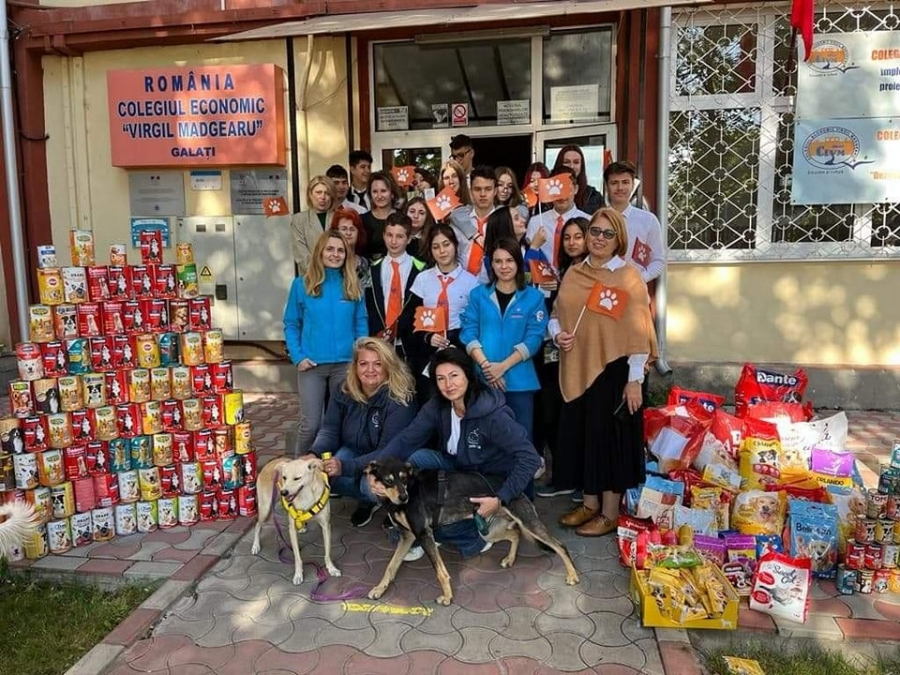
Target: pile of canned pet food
(124,418)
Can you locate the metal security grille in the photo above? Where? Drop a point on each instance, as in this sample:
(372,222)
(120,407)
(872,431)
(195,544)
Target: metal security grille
(731,142)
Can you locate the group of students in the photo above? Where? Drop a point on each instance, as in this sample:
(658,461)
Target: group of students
(520,366)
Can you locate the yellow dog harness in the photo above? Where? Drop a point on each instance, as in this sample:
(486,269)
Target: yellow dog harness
(300,517)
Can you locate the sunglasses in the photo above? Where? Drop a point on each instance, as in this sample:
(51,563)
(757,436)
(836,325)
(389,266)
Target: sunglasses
(600,232)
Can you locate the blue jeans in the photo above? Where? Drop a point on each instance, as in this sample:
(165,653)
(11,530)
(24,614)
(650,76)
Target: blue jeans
(351,486)
(522,405)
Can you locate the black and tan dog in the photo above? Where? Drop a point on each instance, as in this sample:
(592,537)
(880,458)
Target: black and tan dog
(419,501)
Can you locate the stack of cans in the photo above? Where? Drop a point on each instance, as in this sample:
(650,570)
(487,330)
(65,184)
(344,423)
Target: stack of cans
(124,416)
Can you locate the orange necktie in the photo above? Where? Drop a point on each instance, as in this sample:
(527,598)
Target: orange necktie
(557,240)
(443,302)
(395,297)
(476,252)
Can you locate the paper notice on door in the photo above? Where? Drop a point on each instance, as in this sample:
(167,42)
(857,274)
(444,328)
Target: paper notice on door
(393,118)
(513,112)
(572,104)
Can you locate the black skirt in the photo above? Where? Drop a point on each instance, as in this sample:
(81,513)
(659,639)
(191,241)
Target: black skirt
(598,450)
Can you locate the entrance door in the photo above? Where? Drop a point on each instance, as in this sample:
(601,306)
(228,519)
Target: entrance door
(593,140)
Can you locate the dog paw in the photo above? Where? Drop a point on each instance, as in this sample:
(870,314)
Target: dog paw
(333,571)
(444,600)
(254,550)
(298,579)
(377,592)
(507,562)
(571,579)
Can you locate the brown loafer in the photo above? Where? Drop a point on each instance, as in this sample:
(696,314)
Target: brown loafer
(578,516)
(596,527)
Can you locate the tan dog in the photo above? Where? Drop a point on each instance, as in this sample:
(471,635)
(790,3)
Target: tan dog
(302,483)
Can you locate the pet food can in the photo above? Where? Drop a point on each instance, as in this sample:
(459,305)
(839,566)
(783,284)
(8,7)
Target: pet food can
(188,511)
(208,502)
(59,535)
(98,457)
(179,315)
(37,546)
(59,430)
(104,523)
(129,487)
(51,470)
(149,482)
(171,415)
(151,247)
(232,475)
(192,410)
(895,454)
(876,504)
(864,531)
(46,395)
(126,519)
(40,324)
(881,581)
(874,556)
(118,254)
(98,283)
(85,495)
(143,284)
(234,407)
(141,452)
(74,285)
(94,388)
(106,487)
(29,361)
(79,351)
(212,474)
(884,530)
(20,399)
(223,442)
(147,351)
(200,317)
(242,439)
(191,478)
(169,482)
(75,461)
(204,445)
(184,253)
(56,363)
(246,495)
(133,316)
(866,579)
(151,417)
(124,351)
(162,449)
(82,243)
(228,504)
(71,393)
(212,411)
(65,321)
(120,282)
(214,346)
(7,473)
(119,455)
(187,280)
(62,499)
(46,256)
(248,467)
(169,353)
(183,446)
(201,380)
(103,354)
(26,470)
(160,384)
(83,424)
(90,319)
(82,528)
(116,387)
(147,516)
(847,580)
(50,286)
(181,383)
(165,284)
(223,377)
(128,419)
(114,317)
(106,428)
(12,438)
(41,500)
(139,385)
(894,581)
(191,348)
(167,508)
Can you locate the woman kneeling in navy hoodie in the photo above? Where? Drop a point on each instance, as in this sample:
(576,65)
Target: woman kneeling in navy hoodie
(476,431)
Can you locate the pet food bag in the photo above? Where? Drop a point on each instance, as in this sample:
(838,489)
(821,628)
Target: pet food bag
(756,385)
(828,456)
(781,587)
(711,402)
(814,535)
(759,512)
(851,506)
(737,666)
(674,434)
(760,454)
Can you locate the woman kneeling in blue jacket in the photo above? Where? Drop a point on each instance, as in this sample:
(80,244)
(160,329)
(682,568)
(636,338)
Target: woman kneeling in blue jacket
(503,327)
(476,431)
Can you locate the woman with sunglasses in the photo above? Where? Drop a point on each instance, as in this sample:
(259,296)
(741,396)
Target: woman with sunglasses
(602,326)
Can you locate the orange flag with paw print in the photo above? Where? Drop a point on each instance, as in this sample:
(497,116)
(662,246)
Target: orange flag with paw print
(404,175)
(275,206)
(607,300)
(430,320)
(530,197)
(555,188)
(443,203)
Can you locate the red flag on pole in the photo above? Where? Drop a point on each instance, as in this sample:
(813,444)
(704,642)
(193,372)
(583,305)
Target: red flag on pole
(802,12)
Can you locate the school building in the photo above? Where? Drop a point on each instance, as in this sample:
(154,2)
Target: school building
(701,96)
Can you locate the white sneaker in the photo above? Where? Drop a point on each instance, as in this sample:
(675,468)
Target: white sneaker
(487,546)
(541,469)
(413,554)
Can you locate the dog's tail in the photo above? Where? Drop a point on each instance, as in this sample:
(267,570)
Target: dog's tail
(19,522)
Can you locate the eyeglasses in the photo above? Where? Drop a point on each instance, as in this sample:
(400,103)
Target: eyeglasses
(459,155)
(600,232)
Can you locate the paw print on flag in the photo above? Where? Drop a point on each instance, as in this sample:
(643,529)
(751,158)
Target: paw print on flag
(430,320)
(274,206)
(403,175)
(555,188)
(608,300)
(641,253)
(441,205)
(443,202)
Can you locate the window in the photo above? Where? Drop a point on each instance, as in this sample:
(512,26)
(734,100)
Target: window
(577,76)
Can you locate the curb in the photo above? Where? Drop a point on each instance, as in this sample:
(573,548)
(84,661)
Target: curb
(676,652)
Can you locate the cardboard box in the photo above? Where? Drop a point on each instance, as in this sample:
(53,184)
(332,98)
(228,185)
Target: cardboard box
(652,617)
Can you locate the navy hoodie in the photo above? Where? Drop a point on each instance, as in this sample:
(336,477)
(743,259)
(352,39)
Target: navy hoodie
(491,442)
(365,428)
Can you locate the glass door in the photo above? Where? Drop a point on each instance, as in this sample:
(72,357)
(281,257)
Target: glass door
(593,141)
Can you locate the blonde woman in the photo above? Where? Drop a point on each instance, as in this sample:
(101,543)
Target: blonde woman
(453,176)
(325,313)
(372,407)
(307,226)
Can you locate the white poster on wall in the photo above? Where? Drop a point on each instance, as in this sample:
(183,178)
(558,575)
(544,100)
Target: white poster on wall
(517,111)
(846,161)
(851,75)
(393,118)
(572,104)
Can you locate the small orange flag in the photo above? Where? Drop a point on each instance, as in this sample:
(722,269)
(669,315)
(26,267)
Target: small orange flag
(642,253)
(275,206)
(555,188)
(530,197)
(443,203)
(541,272)
(430,320)
(607,300)
(607,158)
(404,175)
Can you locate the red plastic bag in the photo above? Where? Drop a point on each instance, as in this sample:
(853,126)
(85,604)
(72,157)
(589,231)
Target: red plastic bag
(674,434)
(679,396)
(629,531)
(779,411)
(756,385)
(727,429)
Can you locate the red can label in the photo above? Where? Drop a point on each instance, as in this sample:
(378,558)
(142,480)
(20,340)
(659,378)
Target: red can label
(82,425)
(143,282)
(90,321)
(54,356)
(228,505)
(75,462)
(128,419)
(102,350)
(213,410)
(116,387)
(153,315)
(124,351)
(212,474)
(171,411)
(248,467)
(200,317)
(204,445)
(106,487)
(856,552)
(34,433)
(98,283)
(183,446)
(133,316)
(224,442)
(151,247)
(247,500)
(97,457)
(120,286)
(167,476)
(874,556)
(201,380)
(223,381)
(114,317)
(164,281)
(209,505)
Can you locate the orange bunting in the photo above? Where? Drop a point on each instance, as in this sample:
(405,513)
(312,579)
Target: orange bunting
(541,272)
(275,206)
(607,300)
(443,203)
(555,188)
(404,176)
(430,320)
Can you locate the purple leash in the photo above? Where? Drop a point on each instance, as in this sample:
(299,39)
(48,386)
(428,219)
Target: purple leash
(285,555)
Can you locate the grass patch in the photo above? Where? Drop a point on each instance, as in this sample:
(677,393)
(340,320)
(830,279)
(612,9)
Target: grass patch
(801,657)
(48,626)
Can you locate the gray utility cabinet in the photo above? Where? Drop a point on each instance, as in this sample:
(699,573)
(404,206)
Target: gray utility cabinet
(245,264)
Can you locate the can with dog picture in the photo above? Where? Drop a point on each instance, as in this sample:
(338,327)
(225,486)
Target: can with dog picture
(103,523)
(37,546)
(246,495)
(188,513)
(147,516)
(29,361)
(168,512)
(82,528)
(59,536)
(149,484)
(26,470)
(41,501)
(20,399)
(126,519)
(40,324)
(62,499)
(7,473)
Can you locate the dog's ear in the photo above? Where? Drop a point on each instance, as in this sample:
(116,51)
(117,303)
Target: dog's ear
(317,464)
(371,469)
(411,471)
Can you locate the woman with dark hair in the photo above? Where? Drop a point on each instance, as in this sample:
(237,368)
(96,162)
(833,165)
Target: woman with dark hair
(349,223)
(508,193)
(422,222)
(445,287)
(475,431)
(454,177)
(588,198)
(384,195)
(423,180)
(503,327)
(533,174)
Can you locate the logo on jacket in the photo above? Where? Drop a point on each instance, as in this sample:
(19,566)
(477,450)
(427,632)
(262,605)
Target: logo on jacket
(376,419)
(473,439)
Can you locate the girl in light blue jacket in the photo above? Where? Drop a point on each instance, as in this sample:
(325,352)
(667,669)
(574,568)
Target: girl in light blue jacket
(324,315)
(503,327)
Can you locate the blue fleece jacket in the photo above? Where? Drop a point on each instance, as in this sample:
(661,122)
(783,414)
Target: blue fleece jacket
(490,441)
(323,329)
(364,428)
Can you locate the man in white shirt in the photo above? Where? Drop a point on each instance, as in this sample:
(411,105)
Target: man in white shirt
(470,222)
(341,180)
(645,247)
(360,170)
(546,228)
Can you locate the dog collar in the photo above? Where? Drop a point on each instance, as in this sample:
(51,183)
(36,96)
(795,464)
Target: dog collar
(300,517)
